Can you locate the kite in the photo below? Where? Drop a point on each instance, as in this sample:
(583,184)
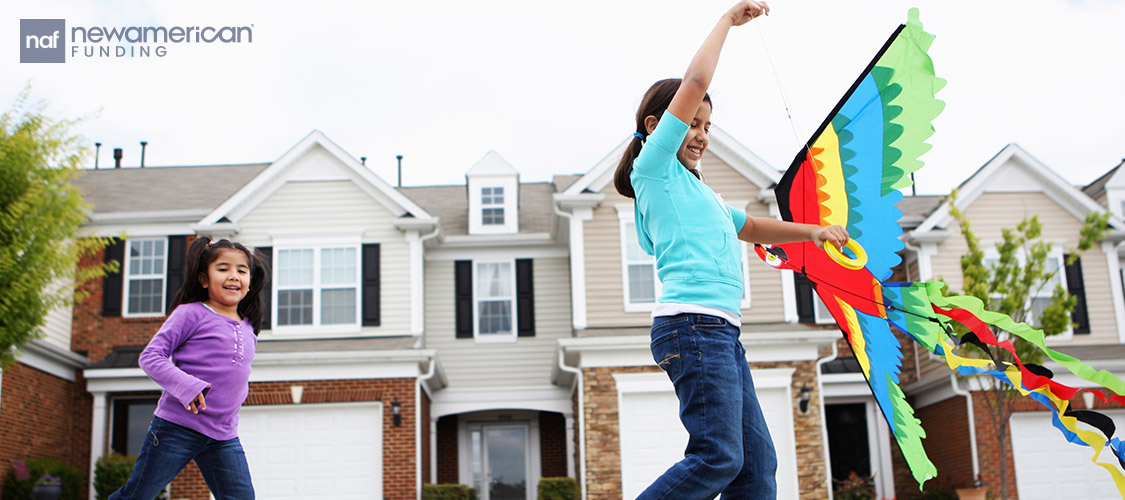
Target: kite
(850,174)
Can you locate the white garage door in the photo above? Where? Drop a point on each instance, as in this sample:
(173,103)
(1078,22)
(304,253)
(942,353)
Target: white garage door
(314,451)
(652,437)
(1048,467)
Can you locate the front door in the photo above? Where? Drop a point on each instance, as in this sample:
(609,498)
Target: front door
(500,461)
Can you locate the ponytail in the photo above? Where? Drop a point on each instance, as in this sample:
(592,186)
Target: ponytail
(199,256)
(655,101)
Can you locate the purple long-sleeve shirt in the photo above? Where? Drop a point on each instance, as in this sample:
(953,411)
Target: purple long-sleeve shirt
(194,348)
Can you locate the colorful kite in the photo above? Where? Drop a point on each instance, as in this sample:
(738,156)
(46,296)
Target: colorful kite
(850,174)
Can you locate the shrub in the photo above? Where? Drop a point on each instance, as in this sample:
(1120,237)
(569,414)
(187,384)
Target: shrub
(69,476)
(855,487)
(112,472)
(558,488)
(448,492)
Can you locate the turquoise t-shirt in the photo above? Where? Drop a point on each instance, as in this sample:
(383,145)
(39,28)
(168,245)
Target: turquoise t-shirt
(681,221)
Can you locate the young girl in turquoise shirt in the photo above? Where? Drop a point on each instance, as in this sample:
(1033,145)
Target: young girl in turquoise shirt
(694,236)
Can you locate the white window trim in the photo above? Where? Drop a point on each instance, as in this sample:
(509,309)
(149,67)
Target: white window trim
(127,276)
(502,206)
(625,216)
(317,244)
(493,338)
(1056,253)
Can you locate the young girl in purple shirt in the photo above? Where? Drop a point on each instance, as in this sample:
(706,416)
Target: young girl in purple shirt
(201,357)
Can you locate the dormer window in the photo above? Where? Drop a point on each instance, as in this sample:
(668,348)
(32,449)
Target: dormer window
(492,206)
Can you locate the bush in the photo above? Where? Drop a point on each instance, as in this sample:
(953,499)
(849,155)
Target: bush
(855,487)
(112,472)
(558,488)
(448,492)
(70,477)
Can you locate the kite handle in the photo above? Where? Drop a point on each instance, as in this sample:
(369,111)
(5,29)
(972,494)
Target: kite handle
(858,262)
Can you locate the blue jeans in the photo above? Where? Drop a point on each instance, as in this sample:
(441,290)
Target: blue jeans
(169,447)
(729,449)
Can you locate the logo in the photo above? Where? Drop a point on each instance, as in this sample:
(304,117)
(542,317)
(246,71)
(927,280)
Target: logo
(42,40)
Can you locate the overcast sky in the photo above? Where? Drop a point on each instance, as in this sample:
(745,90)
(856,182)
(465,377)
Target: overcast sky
(553,86)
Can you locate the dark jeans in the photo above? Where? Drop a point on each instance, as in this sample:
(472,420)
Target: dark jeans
(729,448)
(168,448)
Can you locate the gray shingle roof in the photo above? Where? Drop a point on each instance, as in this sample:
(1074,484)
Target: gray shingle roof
(203,188)
(1097,188)
(451,205)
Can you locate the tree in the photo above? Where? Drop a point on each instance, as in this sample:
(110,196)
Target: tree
(43,213)
(1008,284)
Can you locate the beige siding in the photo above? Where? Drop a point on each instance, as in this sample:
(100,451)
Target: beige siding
(56,330)
(605,302)
(992,212)
(310,208)
(525,362)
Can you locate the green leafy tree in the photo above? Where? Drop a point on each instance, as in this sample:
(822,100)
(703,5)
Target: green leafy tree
(43,213)
(1008,285)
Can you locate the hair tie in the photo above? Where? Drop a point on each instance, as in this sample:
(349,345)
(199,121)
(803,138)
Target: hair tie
(210,241)
(639,135)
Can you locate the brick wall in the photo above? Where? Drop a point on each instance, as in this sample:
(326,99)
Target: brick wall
(947,425)
(603,445)
(96,335)
(44,416)
(552,444)
(424,420)
(448,471)
(399,466)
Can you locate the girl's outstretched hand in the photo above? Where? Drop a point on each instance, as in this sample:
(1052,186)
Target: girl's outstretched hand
(746,10)
(836,235)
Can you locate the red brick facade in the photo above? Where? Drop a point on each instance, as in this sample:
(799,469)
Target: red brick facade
(552,444)
(42,415)
(447,460)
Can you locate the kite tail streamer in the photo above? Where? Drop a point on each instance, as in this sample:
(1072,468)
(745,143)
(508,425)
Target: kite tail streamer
(922,312)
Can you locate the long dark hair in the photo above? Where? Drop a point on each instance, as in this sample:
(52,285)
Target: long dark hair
(199,256)
(655,101)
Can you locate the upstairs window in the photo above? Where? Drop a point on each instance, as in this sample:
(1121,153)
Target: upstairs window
(492,206)
(317,287)
(145,269)
(641,284)
(495,299)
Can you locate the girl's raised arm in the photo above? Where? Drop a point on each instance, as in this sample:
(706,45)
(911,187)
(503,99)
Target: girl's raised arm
(698,76)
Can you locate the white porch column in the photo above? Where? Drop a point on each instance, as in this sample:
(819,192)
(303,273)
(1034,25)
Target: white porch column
(97,434)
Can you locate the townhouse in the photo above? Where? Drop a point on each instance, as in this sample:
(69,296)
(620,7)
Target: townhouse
(495,332)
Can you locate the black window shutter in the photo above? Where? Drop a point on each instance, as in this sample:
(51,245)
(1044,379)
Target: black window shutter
(463,289)
(177,248)
(113,283)
(806,308)
(371,305)
(265,254)
(1075,287)
(525,298)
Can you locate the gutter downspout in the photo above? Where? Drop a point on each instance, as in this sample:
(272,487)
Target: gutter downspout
(581,386)
(972,422)
(418,424)
(421,329)
(823,424)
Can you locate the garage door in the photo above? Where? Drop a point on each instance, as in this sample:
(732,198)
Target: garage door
(313,451)
(652,437)
(1048,467)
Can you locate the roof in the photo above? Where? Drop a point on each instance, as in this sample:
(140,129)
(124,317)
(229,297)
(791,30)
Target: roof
(148,189)
(1096,189)
(450,204)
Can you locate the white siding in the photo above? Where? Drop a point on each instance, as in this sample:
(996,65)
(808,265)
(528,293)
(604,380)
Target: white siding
(310,208)
(527,361)
(57,328)
(992,212)
(604,296)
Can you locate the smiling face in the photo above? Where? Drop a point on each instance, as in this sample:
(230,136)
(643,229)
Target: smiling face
(227,279)
(697,137)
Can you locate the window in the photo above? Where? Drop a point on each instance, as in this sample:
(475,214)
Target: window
(642,286)
(317,287)
(494,300)
(145,268)
(492,206)
(131,417)
(1039,298)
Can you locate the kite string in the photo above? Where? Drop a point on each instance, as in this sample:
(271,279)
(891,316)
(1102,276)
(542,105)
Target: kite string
(793,125)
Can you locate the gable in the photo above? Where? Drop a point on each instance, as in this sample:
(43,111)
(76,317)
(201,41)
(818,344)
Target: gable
(314,158)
